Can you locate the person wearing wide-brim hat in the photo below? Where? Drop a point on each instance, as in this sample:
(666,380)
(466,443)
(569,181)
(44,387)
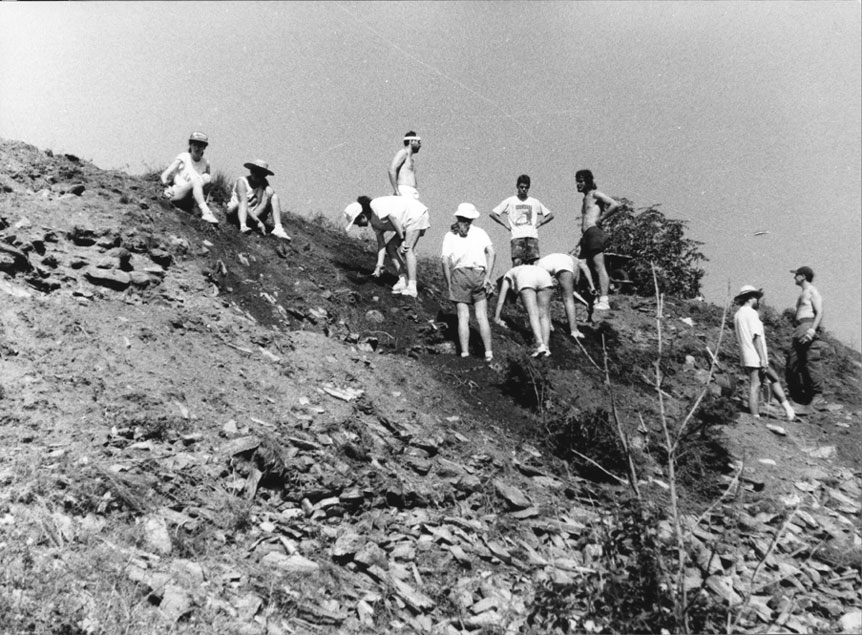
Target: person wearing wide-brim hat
(188,174)
(753,354)
(253,200)
(467,258)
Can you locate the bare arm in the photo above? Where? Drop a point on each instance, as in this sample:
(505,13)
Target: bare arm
(501,300)
(447,271)
(381,250)
(817,307)
(168,174)
(397,162)
(546,218)
(491,259)
(609,206)
(760,347)
(263,202)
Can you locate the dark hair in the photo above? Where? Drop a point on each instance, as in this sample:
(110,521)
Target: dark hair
(365,201)
(523,179)
(409,133)
(586,176)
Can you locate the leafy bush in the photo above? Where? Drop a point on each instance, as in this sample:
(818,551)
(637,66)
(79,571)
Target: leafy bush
(591,433)
(649,237)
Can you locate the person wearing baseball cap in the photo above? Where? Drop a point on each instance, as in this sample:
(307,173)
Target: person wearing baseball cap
(467,258)
(189,174)
(752,351)
(804,375)
(253,200)
(408,219)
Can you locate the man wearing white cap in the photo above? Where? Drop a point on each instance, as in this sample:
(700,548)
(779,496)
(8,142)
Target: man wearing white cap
(188,173)
(468,259)
(402,171)
(407,218)
(253,200)
(752,351)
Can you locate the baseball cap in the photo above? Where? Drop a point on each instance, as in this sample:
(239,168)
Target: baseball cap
(808,272)
(199,137)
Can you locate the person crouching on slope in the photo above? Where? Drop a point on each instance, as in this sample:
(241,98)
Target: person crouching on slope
(408,219)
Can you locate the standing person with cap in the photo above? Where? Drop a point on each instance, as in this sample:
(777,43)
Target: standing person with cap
(407,218)
(253,200)
(752,351)
(467,258)
(188,174)
(402,170)
(804,357)
(525,215)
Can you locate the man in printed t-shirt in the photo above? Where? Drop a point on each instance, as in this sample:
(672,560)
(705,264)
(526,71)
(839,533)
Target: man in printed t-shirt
(525,215)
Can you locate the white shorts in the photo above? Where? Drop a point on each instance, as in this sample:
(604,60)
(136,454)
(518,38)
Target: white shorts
(528,277)
(555,263)
(409,191)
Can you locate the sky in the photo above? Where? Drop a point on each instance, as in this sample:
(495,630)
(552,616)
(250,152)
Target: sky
(739,117)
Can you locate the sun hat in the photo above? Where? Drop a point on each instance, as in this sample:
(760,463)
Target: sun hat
(747,290)
(199,137)
(258,166)
(808,272)
(351,213)
(467,210)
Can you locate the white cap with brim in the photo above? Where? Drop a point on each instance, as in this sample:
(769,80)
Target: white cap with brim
(467,210)
(747,290)
(351,213)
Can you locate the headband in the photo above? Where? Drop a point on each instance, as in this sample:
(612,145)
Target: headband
(412,139)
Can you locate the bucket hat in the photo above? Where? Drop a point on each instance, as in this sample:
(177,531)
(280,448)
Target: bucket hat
(747,290)
(258,166)
(467,210)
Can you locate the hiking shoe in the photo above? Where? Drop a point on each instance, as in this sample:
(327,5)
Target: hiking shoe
(208,217)
(279,232)
(542,351)
(602,305)
(399,286)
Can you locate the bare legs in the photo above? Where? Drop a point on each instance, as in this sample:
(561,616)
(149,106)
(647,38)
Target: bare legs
(481,310)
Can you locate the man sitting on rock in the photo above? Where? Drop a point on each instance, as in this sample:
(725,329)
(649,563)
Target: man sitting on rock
(253,200)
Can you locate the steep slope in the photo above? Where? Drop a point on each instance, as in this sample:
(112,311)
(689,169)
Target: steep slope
(215,433)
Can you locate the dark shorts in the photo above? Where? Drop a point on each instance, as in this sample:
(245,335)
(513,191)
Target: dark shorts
(525,251)
(468,285)
(593,242)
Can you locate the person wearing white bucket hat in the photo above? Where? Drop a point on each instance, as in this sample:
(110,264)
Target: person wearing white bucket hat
(189,173)
(253,200)
(467,258)
(752,351)
(408,219)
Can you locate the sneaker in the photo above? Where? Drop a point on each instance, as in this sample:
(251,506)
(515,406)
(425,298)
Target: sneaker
(819,403)
(577,335)
(489,356)
(602,305)
(410,291)
(465,354)
(208,216)
(542,351)
(791,415)
(244,230)
(279,232)
(399,286)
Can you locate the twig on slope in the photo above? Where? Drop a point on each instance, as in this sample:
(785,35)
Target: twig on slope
(633,477)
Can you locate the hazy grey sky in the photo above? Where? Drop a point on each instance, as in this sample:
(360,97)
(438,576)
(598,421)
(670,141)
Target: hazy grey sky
(738,116)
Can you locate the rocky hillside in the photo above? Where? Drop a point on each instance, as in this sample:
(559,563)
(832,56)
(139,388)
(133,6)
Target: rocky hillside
(204,432)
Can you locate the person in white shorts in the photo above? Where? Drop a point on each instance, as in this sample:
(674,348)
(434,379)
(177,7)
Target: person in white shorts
(402,171)
(408,219)
(467,259)
(253,200)
(188,173)
(535,287)
(566,270)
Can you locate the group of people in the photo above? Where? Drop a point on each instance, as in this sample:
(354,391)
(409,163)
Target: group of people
(803,361)
(468,257)
(252,203)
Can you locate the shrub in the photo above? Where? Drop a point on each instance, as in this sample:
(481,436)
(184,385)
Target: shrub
(650,237)
(591,434)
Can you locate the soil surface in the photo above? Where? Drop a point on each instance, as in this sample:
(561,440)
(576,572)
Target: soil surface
(202,431)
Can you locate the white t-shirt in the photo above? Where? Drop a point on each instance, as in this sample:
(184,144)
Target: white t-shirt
(409,211)
(747,324)
(523,215)
(555,263)
(528,277)
(466,252)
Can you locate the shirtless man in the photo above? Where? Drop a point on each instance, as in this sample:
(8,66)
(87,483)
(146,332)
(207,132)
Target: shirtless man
(803,360)
(187,175)
(402,172)
(596,208)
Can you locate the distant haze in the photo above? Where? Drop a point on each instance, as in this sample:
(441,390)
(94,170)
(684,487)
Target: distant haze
(741,117)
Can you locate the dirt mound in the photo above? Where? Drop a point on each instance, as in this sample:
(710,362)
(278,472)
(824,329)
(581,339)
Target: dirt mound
(209,432)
